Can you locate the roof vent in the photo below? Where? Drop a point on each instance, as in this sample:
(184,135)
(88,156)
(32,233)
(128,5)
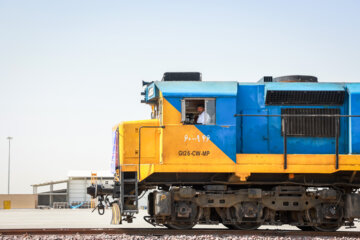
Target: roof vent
(266,79)
(182,76)
(305,97)
(296,78)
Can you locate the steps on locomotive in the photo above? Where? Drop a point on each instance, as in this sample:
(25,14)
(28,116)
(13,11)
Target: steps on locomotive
(128,193)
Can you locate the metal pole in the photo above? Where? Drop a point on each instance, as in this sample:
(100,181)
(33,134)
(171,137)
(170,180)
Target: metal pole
(9,138)
(337,127)
(285,142)
(51,198)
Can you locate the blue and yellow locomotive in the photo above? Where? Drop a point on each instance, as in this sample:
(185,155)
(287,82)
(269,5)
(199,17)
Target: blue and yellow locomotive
(278,151)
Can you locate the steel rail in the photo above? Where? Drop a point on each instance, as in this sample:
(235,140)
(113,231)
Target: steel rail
(164,231)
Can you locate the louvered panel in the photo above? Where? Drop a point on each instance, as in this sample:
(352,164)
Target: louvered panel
(303,126)
(305,97)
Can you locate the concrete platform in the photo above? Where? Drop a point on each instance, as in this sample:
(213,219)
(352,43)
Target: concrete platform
(84,218)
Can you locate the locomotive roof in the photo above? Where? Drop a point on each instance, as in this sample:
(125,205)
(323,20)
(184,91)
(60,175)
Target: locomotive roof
(229,88)
(199,89)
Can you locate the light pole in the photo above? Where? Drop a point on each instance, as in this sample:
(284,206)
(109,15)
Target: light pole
(9,138)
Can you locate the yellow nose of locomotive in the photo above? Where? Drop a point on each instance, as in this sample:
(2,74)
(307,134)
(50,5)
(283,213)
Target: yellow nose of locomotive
(138,144)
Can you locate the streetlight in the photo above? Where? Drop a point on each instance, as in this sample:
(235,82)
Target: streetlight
(9,138)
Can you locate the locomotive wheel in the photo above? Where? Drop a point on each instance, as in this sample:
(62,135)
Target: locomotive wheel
(180,226)
(234,213)
(312,216)
(306,228)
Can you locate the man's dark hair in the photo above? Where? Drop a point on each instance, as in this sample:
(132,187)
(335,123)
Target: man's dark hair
(201,105)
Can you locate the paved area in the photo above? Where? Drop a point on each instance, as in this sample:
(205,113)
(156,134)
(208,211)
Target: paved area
(57,218)
(84,218)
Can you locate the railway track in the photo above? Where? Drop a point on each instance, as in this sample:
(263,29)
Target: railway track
(163,231)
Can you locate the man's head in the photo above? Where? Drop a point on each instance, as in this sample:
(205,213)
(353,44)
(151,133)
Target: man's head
(200,108)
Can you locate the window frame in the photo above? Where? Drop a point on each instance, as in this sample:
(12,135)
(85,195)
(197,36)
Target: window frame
(161,111)
(183,109)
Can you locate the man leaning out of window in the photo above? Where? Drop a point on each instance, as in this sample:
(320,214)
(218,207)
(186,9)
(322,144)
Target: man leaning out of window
(203,117)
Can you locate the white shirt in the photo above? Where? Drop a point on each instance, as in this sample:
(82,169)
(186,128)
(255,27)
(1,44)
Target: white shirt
(204,118)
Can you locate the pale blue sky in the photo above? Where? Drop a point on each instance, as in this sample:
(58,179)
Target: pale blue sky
(70,70)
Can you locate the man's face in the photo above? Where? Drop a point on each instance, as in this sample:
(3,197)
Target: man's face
(200,109)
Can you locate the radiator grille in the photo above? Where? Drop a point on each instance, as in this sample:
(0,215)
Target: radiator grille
(305,97)
(310,126)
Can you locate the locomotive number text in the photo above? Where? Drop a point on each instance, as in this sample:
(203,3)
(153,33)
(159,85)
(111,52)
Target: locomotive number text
(194,153)
(197,138)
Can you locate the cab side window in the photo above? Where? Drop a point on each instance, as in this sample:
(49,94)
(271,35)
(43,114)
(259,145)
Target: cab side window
(198,111)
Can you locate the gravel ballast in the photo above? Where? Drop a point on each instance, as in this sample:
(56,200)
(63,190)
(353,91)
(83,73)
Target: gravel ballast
(163,237)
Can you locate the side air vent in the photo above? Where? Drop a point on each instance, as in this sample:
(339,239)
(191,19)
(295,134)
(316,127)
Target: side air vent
(305,97)
(182,76)
(312,126)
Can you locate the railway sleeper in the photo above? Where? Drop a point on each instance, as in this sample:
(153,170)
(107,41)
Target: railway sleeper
(309,209)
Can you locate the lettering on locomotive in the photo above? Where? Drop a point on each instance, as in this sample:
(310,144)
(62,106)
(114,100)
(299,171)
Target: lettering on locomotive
(194,153)
(197,138)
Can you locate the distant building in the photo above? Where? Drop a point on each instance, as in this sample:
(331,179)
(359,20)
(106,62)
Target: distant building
(72,190)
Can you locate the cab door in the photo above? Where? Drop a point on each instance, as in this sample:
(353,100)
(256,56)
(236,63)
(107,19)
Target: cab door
(255,132)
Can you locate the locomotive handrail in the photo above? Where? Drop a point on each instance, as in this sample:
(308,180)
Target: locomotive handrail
(294,115)
(141,127)
(284,118)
